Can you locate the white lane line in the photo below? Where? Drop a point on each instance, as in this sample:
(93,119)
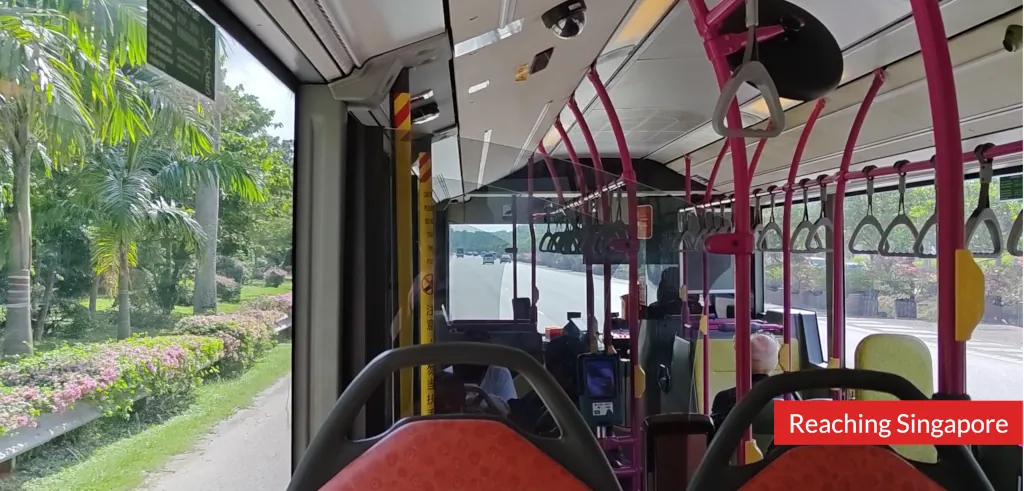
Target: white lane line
(934,347)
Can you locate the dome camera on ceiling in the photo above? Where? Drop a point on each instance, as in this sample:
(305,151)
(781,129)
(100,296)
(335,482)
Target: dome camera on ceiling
(566,19)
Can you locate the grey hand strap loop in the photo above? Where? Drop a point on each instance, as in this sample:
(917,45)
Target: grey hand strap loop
(869,219)
(923,233)
(822,223)
(901,218)
(984,214)
(771,227)
(804,225)
(758,226)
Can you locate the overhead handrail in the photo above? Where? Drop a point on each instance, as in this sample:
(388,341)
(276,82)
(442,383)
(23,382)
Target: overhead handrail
(922,233)
(771,226)
(901,218)
(822,223)
(753,72)
(983,214)
(869,220)
(805,225)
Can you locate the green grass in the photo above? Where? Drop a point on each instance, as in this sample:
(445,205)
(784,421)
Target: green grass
(123,455)
(249,292)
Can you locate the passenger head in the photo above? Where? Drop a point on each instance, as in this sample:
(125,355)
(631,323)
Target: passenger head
(764,353)
(472,374)
(668,288)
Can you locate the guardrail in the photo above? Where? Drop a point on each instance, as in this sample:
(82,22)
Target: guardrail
(51,425)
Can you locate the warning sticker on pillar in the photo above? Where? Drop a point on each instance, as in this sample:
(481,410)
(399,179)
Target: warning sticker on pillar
(426,254)
(644,222)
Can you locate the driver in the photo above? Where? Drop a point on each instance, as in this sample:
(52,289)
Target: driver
(494,380)
(764,357)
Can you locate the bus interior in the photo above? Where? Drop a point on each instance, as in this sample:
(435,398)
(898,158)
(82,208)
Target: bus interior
(667,178)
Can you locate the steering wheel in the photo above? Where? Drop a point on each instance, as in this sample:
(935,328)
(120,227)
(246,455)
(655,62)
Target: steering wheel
(714,470)
(479,401)
(331,449)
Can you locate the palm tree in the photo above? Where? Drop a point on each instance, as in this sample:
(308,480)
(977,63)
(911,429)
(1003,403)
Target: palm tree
(60,87)
(120,190)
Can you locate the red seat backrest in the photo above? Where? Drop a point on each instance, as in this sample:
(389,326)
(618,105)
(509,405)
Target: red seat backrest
(454,454)
(828,468)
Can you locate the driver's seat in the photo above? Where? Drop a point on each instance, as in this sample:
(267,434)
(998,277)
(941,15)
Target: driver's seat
(454,451)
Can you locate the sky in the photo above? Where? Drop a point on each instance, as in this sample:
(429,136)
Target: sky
(243,69)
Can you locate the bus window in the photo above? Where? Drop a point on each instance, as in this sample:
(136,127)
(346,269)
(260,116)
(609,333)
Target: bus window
(898,295)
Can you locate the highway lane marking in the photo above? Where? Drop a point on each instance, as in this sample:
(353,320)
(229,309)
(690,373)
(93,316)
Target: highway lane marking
(934,348)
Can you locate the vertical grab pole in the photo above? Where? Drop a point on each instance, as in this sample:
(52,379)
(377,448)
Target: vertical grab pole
(533,244)
(838,240)
(633,303)
(425,197)
(684,293)
(401,118)
(515,248)
(787,205)
(602,213)
(741,188)
(551,170)
(705,315)
(949,174)
(581,184)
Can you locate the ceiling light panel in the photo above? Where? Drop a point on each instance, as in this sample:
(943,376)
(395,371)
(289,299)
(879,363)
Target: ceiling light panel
(488,38)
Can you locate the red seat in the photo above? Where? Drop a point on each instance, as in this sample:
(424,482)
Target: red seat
(857,468)
(454,454)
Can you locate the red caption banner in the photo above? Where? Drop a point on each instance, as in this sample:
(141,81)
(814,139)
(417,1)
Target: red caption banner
(899,422)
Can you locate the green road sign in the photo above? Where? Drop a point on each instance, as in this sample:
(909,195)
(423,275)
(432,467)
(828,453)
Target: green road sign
(1011,188)
(181,42)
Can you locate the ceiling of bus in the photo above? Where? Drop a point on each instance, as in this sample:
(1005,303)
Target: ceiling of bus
(500,125)
(667,92)
(326,40)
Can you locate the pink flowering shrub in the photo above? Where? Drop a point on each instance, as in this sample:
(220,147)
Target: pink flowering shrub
(109,375)
(279,303)
(246,335)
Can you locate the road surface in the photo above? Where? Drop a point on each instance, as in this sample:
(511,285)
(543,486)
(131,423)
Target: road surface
(250,450)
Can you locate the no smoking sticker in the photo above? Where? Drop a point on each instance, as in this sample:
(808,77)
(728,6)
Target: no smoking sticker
(427,284)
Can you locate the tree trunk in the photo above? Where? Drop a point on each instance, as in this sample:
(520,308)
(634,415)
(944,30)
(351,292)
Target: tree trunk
(44,311)
(94,293)
(124,304)
(18,329)
(207,214)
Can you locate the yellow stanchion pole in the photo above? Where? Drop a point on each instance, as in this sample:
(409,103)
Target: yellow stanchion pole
(425,199)
(402,120)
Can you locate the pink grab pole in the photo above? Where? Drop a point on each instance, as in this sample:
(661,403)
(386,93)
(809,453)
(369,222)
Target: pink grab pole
(580,183)
(602,213)
(707,23)
(787,271)
(633,302)
(551,170)
(533,245)
(838,239)
(706,285)
(949,174)
(685,319)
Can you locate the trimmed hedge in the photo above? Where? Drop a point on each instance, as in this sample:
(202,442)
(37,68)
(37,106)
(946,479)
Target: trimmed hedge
(106,374)
(110,375)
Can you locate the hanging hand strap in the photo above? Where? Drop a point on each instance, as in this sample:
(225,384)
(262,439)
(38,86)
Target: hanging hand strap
(922,234)
(901,218)
(772,227)
(984,214)
(546,240)
(758,227)
(822,223)
(1013,241)
(869,219)
(804,225)
(754,73)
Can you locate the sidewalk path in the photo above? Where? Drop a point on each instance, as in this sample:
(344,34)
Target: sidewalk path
(250,451)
